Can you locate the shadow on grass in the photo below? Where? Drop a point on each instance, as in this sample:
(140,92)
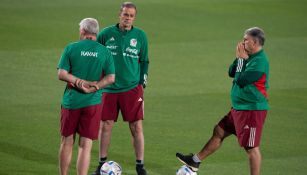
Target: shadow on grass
(27,153)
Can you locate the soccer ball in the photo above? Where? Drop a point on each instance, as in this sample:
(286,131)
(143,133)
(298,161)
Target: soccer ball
(184,170)
(110,168)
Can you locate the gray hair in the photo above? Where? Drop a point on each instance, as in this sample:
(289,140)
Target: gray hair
(89,25)
(257,33)
(127,5)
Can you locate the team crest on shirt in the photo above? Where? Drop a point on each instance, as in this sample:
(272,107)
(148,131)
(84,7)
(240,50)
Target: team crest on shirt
(133,42)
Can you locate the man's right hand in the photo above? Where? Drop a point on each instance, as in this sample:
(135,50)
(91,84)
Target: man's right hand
(241,52)
(86,86)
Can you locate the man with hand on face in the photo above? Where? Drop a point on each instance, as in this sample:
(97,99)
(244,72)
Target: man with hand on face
(129,48)
(250,73)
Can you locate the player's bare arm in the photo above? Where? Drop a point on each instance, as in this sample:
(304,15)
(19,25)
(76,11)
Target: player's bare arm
(85,86)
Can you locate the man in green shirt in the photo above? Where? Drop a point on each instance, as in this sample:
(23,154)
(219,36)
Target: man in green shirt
(250,71)
(82,65)
(128,45)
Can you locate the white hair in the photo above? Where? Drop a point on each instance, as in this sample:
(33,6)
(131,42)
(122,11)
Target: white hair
(89,25)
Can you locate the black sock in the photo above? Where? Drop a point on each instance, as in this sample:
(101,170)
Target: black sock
(139,163)
(102,160)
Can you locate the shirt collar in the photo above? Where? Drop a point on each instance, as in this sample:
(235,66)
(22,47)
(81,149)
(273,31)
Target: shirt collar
(256,54)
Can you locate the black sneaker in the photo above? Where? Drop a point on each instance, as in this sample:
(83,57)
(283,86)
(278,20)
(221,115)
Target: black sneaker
(188,160)
(97,171)
(140,170)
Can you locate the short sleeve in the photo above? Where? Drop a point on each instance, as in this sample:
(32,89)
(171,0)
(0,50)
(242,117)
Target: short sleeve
(109,67)
(64,62)
(100,38)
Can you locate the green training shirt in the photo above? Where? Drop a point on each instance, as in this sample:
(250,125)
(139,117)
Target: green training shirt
(251,82)
(88,60)
(130,53)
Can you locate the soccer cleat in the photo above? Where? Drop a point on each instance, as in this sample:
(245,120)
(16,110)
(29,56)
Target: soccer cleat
(188,160)
(97,171)
(140,170)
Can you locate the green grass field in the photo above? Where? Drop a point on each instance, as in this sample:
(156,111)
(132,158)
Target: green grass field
(192,44)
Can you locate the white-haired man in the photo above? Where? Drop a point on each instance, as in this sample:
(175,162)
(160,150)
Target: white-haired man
(87,67)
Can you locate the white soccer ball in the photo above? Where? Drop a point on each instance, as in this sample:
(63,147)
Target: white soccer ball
(110,168)
(184,170)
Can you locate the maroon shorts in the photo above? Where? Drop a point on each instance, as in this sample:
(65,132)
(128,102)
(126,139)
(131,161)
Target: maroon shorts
(85,121)
(246,125)
(130,103)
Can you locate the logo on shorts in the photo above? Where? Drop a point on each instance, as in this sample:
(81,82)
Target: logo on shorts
(140,99)
(246,127)
(133,42)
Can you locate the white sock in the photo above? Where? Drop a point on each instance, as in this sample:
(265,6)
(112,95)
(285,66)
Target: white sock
(196,159)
